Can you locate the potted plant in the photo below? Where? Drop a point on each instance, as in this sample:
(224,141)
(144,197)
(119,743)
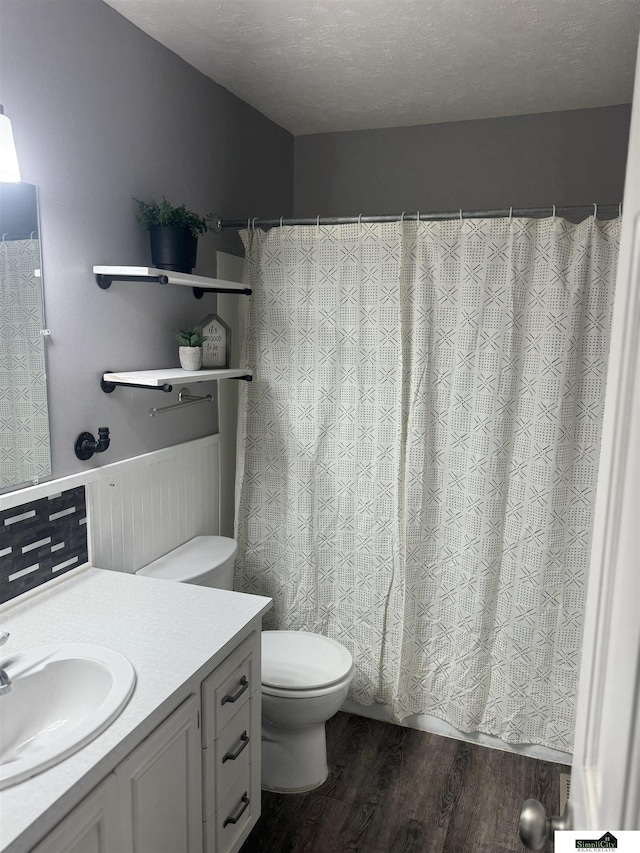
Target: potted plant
(174,233)
(190,348)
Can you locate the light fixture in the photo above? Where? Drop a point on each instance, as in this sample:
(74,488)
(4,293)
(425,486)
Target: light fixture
(9,169)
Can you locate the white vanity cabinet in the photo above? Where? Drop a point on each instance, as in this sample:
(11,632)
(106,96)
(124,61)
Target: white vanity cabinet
(160,787)
(192,784)
(92,827)
(151,803)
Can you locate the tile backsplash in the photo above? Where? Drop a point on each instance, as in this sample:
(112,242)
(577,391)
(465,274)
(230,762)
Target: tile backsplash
(41,539)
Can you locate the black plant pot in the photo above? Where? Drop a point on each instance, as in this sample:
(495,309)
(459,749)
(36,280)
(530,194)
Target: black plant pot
(173,248)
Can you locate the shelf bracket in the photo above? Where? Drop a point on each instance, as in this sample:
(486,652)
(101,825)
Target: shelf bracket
(109,387)
(198,292)
(105,281)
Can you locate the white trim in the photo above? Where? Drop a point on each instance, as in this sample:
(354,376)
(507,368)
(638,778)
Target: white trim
(94,475)
(606,778)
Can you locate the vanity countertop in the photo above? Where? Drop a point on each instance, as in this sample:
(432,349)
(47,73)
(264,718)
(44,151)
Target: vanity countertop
(173,634)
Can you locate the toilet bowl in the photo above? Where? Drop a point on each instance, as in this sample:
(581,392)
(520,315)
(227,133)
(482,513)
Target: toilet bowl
(305,680)
(305,676)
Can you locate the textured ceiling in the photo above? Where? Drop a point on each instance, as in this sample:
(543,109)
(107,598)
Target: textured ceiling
(326,65)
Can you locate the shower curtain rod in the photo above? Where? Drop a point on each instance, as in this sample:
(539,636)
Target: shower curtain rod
(533,212)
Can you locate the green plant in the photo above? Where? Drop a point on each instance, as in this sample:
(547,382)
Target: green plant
(190,338)
(152,213)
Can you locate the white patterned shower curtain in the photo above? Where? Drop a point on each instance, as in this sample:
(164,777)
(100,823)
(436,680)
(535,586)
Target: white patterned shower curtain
(418,455)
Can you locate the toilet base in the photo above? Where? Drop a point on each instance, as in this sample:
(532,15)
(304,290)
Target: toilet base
(293,760)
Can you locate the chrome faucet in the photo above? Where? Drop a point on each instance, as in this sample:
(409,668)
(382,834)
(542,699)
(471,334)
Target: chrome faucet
(5,681)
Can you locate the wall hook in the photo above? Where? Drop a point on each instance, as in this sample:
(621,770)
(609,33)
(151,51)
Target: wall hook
(86,445)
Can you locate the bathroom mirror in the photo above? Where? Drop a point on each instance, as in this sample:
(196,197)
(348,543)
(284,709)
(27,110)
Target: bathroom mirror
(25,454)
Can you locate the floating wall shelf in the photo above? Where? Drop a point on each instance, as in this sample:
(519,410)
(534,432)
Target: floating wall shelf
(162,380)
(200,284)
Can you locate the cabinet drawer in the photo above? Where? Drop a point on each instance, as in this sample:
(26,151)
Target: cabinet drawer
(227,758)
(227,689)
(235,814)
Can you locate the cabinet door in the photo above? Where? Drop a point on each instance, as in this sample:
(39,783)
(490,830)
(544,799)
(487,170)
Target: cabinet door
(92,827)
(160,787)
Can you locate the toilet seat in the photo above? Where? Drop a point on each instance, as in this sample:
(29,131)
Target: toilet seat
(301,663)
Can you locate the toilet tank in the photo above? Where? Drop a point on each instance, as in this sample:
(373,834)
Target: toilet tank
(204,560)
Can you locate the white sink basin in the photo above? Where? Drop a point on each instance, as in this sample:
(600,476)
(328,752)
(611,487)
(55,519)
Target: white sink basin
(61,698)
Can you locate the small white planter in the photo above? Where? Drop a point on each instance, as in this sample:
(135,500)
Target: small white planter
(190,358)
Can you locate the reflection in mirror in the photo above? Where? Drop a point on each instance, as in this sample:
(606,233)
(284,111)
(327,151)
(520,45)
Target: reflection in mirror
(25,454)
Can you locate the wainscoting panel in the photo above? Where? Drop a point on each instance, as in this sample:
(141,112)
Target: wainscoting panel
(149,505)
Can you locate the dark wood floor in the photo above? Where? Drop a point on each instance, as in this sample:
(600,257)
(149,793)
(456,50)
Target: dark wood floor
(397,790)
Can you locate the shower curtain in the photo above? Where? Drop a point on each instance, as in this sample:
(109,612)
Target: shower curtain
(418,456)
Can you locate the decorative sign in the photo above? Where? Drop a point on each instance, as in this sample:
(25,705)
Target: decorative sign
(216,349)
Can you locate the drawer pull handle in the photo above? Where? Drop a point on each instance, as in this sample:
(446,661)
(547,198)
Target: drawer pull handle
(231,756)
(244,802)
(244,683)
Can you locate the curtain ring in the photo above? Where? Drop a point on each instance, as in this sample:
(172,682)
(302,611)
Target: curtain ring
(595,211)
(253,222)
(510,215)
(417,218)
(620,209)
(359,220)
(281,218)
(553,211)
(249,225)
(460,214)
(402,218)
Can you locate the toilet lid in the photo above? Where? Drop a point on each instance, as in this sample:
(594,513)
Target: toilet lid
(191,561)
(298,660)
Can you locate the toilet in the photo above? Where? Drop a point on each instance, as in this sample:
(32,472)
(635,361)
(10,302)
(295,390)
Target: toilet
(305,676)
(305,680)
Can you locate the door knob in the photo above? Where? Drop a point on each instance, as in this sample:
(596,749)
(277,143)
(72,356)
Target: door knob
(536,828)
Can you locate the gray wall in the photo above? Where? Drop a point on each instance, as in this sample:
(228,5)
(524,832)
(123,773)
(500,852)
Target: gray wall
(575,157)
(101,113)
